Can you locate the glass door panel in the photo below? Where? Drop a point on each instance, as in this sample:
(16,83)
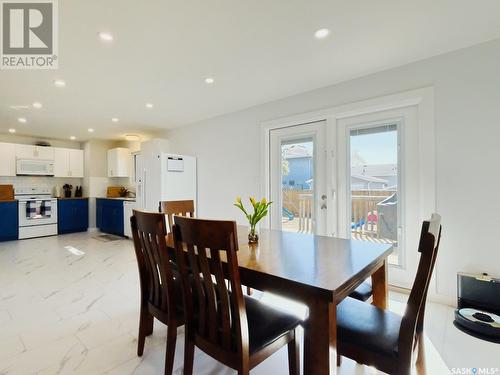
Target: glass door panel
(374,184)
(297,178)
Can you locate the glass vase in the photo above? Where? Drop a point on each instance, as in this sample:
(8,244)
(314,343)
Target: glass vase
(253,237)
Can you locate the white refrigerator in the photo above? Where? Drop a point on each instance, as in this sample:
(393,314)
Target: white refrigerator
(162,176)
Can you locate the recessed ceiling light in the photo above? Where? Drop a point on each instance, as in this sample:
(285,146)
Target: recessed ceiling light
(22,120)
(321,33)
(115,119)
(12,130)
(91,130)
(105,36)
(132,137)
(60,83)
(37,105)
(149,105)
(209,80)
(72,137)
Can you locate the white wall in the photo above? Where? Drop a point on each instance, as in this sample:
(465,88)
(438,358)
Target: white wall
(96,180)
(467,105)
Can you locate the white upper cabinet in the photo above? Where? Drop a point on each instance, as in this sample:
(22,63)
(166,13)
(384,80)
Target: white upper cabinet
(76,162)
(119,162)
(7,159)
(61,162)
(68,162)
(34,152)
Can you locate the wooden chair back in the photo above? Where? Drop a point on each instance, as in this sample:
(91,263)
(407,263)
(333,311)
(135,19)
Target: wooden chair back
(412,323)
(180,208)
(155,267)
(220,327)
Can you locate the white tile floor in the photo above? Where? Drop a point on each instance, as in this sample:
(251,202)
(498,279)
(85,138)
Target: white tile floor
(61,313)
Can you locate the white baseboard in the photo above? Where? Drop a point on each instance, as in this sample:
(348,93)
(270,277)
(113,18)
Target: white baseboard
(431,296)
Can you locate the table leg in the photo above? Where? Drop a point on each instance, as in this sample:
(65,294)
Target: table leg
(379,286)
(320,339)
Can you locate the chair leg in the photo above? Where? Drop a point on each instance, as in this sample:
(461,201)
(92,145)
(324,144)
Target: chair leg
(170,350)
(420,364)
(339,360)
(188,355)
(145,329)
(294,355)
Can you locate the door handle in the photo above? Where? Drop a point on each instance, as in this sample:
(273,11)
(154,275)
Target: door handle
(323,202)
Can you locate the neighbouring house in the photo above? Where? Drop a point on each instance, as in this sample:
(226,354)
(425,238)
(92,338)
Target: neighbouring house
(374,177)
(300,168)
(360,182)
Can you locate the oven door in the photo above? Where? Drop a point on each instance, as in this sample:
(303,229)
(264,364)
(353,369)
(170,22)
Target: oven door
(41,212)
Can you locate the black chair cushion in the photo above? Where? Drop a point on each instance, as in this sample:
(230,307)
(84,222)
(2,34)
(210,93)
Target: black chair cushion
(362,292)
(266,324)
(366,326)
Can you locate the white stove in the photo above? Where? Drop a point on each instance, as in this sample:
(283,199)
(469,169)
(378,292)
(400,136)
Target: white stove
(37,212)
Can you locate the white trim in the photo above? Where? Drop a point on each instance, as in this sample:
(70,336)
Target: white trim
(383,103)
(409,186)
(422,98)
(315,131)
(345,230)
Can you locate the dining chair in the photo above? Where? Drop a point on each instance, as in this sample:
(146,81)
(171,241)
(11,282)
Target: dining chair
(237,330)
(161,295)
(171,208)
(363,292)
(380,338)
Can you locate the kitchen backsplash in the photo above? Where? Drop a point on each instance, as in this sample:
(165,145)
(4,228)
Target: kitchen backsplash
(22,181)
(92,187)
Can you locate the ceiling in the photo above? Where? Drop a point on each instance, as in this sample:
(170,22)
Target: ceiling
(257,51)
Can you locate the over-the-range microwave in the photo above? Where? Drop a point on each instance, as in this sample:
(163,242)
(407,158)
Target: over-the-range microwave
(34,167)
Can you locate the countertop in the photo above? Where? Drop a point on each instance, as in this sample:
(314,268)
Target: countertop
(64,198)
(119,199)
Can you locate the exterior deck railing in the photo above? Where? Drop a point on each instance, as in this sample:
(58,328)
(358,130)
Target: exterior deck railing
(298,206)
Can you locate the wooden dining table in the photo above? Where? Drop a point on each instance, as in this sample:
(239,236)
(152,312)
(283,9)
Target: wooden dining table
(317,271)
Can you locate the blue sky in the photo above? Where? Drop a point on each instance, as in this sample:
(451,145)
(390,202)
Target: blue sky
(379,148)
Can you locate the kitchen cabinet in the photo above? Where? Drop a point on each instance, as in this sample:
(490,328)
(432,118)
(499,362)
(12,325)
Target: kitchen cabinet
(128,206)
(61,162)
(9,221)
(109,216)
(68,162)
(34,152)
(76,163)
(7,159)
(73,215)
(119,162)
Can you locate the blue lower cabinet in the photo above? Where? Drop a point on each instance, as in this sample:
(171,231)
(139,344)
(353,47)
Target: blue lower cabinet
(109,216)
(9,221)
(72,215)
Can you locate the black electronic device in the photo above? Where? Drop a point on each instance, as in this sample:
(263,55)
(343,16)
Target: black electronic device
(478,311)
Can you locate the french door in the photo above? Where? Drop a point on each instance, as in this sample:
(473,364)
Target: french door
(355,177)
(297,178)
(378,185)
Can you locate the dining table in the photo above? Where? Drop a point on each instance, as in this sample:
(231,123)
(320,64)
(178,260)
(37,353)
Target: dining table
(317,271)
